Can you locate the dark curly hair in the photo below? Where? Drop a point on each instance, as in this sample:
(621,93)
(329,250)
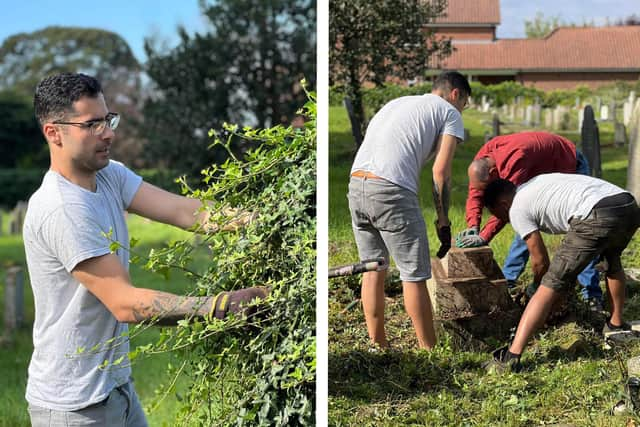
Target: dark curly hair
(55,95)
(496,190)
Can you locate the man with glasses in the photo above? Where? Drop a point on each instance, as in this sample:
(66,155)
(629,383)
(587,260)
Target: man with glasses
(518,157)
(383,196)
(82,291)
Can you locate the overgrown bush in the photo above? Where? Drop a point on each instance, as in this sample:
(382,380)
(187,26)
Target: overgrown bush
(261,372)
(498,94)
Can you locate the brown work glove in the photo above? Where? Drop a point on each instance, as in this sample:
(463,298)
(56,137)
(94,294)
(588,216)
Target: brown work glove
(241,302)
(234,219)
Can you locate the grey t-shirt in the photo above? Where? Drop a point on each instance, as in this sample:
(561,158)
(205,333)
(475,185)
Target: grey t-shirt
(401,138)
(63,226)
(547,202)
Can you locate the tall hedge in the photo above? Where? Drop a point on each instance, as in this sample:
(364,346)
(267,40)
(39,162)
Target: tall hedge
(260,372)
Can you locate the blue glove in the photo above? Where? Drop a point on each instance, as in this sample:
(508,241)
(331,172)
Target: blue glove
(469,238)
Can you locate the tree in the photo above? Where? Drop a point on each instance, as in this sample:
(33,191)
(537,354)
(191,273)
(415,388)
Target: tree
(21,143)
(246,69)
(540,26)
(26,58)
(629,20)
(371,41)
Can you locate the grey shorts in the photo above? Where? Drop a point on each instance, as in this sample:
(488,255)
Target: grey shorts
(121,408)
(387,219)
(604,234)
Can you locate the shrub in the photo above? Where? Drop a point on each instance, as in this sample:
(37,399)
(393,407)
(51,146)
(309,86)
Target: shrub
(264,373)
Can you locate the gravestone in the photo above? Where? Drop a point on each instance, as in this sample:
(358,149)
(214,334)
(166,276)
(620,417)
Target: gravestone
(590,137)
(495,126)
(558,114)
(633,170)
(13,299)
(612,111)
(580,119)
(528,115)
(620,135)
(512,113)
(548,118)
(537,112)
(17,218)
(470,298)
(604,112)
(356,126)
(627,108)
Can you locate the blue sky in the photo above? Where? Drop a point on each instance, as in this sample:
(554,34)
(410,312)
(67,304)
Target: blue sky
(136,19)
(133,19)
(513,13)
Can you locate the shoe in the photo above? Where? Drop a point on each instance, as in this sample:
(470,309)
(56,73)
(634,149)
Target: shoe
(498,365)
(609,329)
(595,304)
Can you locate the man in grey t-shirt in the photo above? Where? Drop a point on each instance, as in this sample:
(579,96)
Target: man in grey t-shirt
(82,292)
(383,196)
(598,218)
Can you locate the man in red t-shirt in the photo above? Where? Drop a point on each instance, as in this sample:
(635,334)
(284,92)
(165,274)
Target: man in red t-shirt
(517,158)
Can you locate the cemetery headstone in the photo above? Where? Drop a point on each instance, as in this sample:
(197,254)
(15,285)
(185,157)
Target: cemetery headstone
(537,111)
(528,115)
(590,137)
(13,299)
(495,126)
(620,135)
(470,298)
(633,170)
(356,126)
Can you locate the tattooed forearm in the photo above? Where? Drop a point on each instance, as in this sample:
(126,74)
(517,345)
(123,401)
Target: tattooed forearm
(169,308)
(441,199)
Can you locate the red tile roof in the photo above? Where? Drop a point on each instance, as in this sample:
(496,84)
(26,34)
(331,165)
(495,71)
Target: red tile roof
(471,12)
(590,48)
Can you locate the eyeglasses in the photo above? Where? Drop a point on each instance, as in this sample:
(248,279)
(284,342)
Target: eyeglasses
(96,126)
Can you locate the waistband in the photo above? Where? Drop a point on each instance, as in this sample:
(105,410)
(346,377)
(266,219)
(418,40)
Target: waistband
(617,200)
(365,175)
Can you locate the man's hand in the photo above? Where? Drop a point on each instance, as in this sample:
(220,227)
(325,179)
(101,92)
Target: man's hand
(444,235)
(241,302)
(469,238)
(234,219)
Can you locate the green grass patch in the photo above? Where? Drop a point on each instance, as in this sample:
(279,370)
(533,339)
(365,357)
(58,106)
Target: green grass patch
(148,373)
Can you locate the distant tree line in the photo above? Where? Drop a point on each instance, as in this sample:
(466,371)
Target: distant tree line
(245,68)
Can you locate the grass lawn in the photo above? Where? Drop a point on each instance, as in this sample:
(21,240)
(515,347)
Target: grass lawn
(405,386)
(148,373)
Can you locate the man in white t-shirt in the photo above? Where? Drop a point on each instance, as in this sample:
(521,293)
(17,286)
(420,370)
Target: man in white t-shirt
(383,196)
(598,218)
(82,291)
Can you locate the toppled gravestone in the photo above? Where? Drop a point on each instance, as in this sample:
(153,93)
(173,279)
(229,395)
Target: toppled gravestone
(470,298)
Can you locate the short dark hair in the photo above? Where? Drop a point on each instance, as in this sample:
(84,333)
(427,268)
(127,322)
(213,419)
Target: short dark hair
(56,94)
(496,190)
(452,80)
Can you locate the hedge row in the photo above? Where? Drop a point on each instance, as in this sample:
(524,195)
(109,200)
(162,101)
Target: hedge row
(498,94)
(19,184)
